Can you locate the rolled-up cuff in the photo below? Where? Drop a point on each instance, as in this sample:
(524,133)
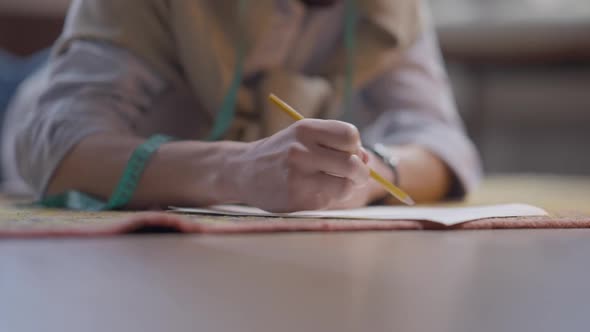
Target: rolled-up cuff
(39,155)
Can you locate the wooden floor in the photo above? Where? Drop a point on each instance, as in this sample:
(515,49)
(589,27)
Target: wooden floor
(407,281)
(510,280)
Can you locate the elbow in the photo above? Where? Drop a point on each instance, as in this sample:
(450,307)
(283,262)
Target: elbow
(39,146)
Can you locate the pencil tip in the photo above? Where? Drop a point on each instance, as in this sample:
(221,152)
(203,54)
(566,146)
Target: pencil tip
(409,201)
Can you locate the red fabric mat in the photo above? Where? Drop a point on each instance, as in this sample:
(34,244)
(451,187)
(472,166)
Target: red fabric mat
(168,222)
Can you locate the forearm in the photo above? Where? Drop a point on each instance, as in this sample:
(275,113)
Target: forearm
(179,173)
(422,175)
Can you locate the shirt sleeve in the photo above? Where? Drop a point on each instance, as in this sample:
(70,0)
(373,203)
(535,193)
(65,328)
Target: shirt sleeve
(414,105)
(91,88)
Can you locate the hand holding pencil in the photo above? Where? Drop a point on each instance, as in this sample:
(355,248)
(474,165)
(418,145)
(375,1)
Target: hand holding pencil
(312,164)
(388,186)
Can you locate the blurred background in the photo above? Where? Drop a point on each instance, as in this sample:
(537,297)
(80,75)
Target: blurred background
(520,70)
(521,74)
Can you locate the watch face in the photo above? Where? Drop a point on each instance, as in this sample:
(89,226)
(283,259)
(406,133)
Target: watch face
(380,149)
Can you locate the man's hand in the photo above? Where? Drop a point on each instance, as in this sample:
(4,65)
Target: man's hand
(311,165)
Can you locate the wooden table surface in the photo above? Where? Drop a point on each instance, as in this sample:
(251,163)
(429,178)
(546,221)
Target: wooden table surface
(517,280)
(406,281)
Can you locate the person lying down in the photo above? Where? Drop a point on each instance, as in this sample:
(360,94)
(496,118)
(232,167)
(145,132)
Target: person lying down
(154,102)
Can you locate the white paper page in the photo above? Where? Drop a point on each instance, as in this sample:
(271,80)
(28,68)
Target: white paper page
(443,215)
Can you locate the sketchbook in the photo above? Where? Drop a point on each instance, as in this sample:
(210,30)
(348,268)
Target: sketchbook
(447,216)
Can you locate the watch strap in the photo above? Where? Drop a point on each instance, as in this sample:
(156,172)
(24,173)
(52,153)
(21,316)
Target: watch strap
(387,156)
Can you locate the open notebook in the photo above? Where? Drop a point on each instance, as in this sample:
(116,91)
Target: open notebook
(443,215)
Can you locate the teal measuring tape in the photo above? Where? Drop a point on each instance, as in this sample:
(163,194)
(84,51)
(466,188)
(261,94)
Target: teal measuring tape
(226,114)
(227,111)
(123,194)
(135,167)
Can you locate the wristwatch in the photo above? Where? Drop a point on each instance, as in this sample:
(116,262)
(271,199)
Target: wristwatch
(389,157)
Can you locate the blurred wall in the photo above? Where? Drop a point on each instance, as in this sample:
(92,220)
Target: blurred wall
(35,7)
(521,72)
(28,25)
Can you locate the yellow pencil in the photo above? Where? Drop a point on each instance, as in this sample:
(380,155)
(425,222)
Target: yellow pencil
(390,187)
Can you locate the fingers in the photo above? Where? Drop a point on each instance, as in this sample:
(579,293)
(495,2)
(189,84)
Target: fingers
(364,156)
(331,147)
(332,134)
(336,163)
(325,163)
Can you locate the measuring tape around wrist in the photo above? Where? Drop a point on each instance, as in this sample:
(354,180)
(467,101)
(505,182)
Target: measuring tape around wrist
(125,189)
